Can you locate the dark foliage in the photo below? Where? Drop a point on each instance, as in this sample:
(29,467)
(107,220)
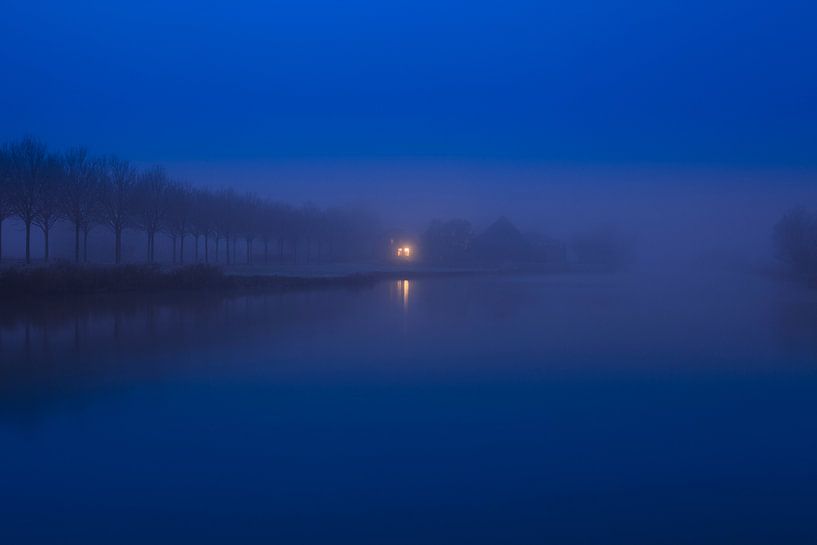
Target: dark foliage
(502,242)
(448,242)
(795,240)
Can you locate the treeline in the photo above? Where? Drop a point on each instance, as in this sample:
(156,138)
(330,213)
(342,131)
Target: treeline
(42,188)
(456,242)
(795,241)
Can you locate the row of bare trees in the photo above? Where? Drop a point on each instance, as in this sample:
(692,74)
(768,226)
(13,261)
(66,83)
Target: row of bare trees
(41,188)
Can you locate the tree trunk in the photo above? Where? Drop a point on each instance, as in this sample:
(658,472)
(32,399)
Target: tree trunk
(206,248)
(266,251)
(227,249)
(249,251)
(28,242)
(173,240)
(196,249)
(181,250)
(45,239)
(76,242)
(281,249)
(118,246)
(217,237)
(85,245)
(1,240)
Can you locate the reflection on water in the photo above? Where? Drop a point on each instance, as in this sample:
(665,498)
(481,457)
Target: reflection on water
(495,409)
(401,288)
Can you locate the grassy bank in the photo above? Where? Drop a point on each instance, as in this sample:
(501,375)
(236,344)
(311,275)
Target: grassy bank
(69,279)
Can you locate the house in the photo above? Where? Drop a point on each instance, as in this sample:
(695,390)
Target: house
(502,242)
(400,246)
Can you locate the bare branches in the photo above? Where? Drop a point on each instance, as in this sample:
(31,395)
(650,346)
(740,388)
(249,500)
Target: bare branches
(80,198)
(117,184)
(5,190)
(40,188)
(151,194)
(28,165)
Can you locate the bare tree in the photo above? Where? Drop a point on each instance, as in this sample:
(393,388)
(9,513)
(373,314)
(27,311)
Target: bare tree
(94,204)
(205,205)
(80,195)
(40,189)
(251,210)
(29,162)
(151,205)
(117,190)
(225,220)
(5,191)
(179,215)
(309,222)
(47,202)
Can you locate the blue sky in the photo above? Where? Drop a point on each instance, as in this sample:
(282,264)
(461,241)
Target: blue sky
(555,113)
(719,82)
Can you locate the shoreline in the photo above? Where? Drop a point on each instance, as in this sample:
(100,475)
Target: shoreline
(63,279)
(19,283)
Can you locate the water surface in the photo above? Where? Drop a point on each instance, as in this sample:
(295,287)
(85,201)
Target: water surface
(564,409)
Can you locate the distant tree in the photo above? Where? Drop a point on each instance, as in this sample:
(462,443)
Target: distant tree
(287,226)
(41,189)
(29,168)
(179,215)
(251,218)
(795,240)
(309,222)
(224,220)
(47,208)
(116,202)
(269,224)
(5,191)
(448,242)
(79,201)
(353,233)
(151,205)
(204,207)
(502,243)
(97,179)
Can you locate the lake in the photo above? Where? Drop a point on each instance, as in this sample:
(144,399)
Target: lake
(475,409)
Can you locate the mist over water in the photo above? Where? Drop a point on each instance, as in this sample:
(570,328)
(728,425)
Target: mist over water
(498,408)
(678,216)
(411,272)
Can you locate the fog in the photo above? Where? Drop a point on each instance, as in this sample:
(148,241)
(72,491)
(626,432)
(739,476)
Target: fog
(687,211)
(679,216)
(408,272)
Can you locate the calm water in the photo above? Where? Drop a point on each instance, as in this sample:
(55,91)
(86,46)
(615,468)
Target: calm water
(467,410)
